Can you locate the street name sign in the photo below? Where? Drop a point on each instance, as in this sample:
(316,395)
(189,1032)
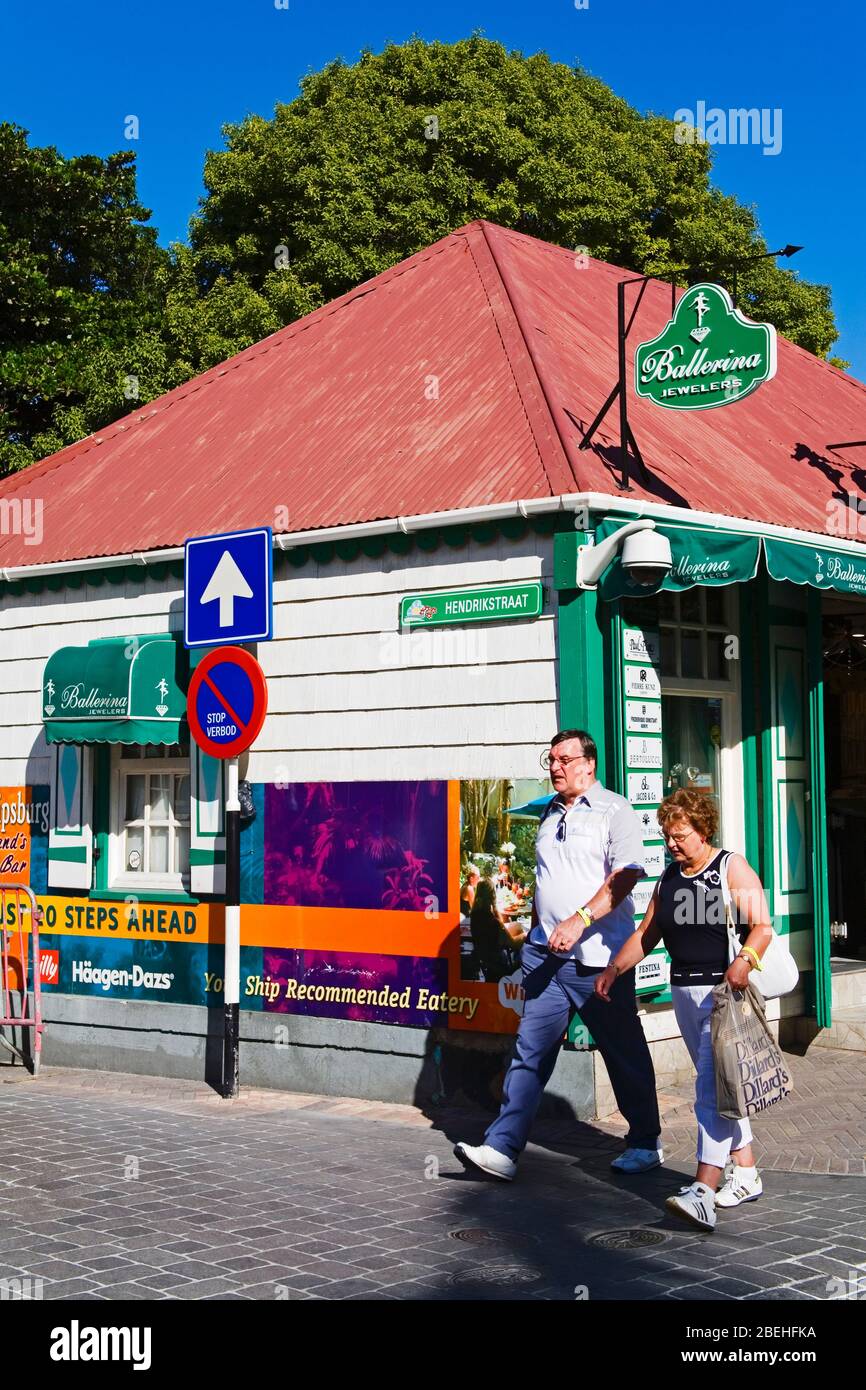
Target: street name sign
(491,604)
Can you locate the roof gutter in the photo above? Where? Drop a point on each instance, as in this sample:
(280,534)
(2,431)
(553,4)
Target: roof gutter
(588,502)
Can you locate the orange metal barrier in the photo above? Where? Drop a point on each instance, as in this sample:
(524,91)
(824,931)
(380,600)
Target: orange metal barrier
(15,901)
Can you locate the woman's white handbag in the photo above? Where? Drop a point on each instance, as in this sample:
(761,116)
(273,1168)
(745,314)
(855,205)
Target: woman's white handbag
(778,973)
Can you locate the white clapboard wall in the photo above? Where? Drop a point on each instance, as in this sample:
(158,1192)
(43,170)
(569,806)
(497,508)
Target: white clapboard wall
(351,697)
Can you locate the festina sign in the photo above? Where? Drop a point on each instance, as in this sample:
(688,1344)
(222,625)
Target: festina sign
(709,354)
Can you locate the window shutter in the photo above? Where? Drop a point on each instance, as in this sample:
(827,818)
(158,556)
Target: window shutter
(207,843)
(70,832)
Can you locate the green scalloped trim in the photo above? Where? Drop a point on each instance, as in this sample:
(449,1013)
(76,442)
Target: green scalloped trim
(399,543)
(322,552)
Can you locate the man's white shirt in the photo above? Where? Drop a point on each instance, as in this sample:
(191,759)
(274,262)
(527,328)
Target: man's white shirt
(601,834)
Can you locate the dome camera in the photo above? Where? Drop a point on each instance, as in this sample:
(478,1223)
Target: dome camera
(646,557)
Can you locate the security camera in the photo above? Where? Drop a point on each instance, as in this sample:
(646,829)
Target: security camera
(646,557)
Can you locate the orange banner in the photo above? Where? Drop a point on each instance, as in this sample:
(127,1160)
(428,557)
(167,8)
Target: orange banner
(15,822)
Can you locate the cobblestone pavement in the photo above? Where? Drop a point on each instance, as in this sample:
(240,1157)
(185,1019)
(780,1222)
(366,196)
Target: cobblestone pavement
(120,1187)
(820,1128)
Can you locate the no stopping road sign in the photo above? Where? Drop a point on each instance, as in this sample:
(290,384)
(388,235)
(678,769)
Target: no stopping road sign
(227,702)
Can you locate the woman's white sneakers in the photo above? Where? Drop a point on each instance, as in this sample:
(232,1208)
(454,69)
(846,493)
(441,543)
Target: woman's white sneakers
(695,1203)
(740,1185)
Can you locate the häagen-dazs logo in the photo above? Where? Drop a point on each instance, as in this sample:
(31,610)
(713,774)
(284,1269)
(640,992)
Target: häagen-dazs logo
(708,354)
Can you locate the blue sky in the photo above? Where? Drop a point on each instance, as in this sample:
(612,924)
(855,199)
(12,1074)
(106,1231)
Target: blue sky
(185,67)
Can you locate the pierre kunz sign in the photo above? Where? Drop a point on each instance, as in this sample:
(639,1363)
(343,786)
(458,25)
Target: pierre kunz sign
(709,354)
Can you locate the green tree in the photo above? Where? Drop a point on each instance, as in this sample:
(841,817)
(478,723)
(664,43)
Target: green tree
(374,161)
(371,163)
(82,283)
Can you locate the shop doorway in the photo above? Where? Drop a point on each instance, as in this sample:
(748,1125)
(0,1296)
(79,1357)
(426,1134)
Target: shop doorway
(700,690)
(844,658)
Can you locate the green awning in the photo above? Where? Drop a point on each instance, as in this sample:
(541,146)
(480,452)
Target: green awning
(700,556)
(841,570)
(116,690)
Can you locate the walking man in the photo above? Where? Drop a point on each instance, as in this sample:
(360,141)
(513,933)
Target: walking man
(589,856)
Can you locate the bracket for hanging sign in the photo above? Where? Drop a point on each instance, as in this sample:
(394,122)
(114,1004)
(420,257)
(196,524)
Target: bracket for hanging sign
(627,443)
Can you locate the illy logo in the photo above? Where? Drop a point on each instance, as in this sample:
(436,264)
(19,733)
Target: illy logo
(49,967)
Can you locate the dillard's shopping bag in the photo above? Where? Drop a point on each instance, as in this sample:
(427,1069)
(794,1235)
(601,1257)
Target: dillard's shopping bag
(750,1071)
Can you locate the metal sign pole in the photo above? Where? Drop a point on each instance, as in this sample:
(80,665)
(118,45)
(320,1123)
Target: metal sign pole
(232,968)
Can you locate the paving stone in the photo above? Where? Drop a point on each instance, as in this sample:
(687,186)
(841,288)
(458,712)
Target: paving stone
(54,1269)
(130,1291)
(267,1292)
(162,1281)
(789,1294)
(129,1274)
(345,1288)
(69,1288)
(204,1288)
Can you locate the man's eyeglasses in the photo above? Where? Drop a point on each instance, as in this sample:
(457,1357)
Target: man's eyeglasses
(548,761)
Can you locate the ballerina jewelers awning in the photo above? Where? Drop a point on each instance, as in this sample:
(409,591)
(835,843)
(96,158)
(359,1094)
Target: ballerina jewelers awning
(822,568)
(116,690)
(704,556)
(700,556)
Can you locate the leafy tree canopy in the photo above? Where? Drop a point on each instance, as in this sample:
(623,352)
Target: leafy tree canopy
(346,180)
(369,164)
(82,282)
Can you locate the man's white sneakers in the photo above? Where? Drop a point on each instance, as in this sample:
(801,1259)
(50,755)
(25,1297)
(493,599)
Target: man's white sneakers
(741,1185)
(695,1203)
(487,1160)
(638,1160)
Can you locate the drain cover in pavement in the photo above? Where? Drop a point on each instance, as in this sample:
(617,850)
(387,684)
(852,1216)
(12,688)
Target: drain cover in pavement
(630,1238)
(499,1274)
(481,1235)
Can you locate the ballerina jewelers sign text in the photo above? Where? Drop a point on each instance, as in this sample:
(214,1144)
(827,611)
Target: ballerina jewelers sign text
(708,354)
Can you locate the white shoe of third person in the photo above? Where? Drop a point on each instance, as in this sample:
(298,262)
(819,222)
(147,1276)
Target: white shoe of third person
(486,1160)
(695,1203)
(740,1185)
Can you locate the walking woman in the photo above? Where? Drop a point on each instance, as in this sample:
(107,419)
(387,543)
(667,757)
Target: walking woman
(687,913)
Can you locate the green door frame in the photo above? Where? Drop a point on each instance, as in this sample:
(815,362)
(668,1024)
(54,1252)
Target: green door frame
(750,598)
(581,618)
(806,614)
(820,886)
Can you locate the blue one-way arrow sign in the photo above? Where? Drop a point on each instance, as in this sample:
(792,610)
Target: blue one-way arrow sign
(228,590)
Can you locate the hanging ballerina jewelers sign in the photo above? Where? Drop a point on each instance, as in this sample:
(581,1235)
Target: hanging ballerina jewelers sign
(709,354)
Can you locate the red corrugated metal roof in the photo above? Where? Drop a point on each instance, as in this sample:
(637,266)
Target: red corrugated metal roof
(455,379)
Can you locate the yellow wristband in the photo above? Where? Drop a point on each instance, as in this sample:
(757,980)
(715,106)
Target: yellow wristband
(585,917)
(748,951)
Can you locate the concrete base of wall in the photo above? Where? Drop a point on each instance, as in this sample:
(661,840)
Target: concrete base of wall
(408,1066)
(338,1057)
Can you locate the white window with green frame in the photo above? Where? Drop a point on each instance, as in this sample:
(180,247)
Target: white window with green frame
(149,834)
